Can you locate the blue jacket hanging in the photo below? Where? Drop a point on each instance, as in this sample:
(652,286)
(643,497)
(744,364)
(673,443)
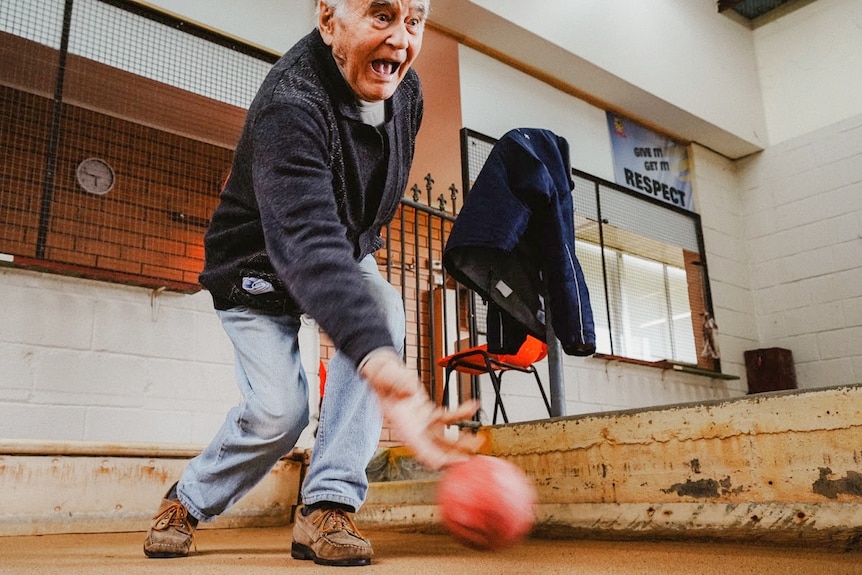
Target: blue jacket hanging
(514,244)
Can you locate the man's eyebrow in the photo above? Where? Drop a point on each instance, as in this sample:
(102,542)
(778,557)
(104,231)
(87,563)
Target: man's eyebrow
(421,7)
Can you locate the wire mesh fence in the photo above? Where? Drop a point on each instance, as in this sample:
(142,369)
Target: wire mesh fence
(119,125)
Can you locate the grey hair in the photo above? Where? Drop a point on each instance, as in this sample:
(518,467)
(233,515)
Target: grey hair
(338,5)
(335,5)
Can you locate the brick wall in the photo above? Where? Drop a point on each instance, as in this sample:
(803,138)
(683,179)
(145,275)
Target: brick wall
(148,230)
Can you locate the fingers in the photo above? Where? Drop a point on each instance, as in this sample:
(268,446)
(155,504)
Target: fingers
(447,451)
(464,411)
(415,419)
(465,445)
(420,424)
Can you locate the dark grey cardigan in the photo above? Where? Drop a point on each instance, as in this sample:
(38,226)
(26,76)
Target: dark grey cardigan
(309,191)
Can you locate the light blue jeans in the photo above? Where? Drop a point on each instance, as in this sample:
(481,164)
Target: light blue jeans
(273,412)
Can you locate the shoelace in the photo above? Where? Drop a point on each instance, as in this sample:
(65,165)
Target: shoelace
(174,516)
(333,520)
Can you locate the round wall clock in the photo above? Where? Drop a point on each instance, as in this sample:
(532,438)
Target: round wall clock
(95,176)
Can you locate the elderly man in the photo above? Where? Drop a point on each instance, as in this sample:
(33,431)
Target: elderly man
(319,170)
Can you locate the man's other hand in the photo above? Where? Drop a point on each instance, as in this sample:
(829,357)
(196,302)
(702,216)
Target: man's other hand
(412,415)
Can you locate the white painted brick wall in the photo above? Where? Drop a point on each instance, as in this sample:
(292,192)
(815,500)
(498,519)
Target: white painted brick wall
(803,204)
(91,361)
(594,385)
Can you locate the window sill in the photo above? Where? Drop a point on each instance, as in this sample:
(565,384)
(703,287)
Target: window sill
(84,272)
(665,364)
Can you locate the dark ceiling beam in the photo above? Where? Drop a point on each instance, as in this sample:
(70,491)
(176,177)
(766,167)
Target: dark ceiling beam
(727,4)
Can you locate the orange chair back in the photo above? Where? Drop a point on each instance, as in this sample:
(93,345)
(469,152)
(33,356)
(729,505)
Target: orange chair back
(531,351)
(469,360)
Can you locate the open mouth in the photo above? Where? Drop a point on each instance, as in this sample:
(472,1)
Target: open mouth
(385,67)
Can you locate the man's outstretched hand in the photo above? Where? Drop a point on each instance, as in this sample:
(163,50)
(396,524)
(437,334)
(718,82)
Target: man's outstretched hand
(413,416)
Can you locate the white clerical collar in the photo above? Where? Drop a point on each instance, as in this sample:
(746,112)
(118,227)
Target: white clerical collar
(372,113)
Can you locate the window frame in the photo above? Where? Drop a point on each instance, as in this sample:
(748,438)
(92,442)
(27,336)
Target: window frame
(474,144)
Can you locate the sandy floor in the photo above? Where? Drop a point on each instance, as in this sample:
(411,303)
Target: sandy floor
(262,551)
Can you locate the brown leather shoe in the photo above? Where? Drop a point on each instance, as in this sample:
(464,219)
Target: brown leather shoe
(329,537)
(171,532)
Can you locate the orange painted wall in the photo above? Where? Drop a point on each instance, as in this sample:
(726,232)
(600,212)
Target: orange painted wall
(438,149)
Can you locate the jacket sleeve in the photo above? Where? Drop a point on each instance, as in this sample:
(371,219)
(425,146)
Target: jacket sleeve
(304,236)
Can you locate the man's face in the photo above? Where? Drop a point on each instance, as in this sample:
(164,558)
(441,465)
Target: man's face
(374,42)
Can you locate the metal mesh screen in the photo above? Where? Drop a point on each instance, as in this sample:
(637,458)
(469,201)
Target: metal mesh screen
(40,22)
(475,150)
(118,129)
(125,40)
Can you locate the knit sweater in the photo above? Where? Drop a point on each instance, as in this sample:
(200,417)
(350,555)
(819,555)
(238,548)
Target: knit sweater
(310,188)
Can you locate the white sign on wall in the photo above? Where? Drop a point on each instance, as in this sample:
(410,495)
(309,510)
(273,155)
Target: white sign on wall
(649,163)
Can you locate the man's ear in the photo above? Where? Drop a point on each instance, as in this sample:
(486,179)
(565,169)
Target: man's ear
(326,22)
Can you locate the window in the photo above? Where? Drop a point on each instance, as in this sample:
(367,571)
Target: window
(643,263)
